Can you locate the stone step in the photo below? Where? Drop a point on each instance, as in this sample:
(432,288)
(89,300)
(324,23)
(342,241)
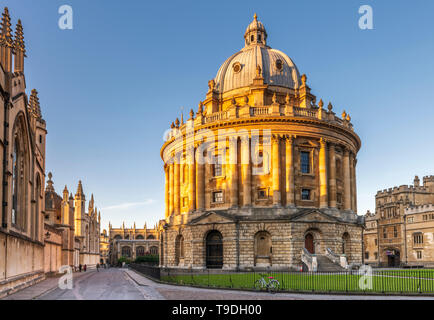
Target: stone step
(326,265)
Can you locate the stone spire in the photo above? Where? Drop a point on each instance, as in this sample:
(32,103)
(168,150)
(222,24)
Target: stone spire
(19,48)
(99,217)
(50,183)
(65,193)
(79,194)
(6,42)
(34,105)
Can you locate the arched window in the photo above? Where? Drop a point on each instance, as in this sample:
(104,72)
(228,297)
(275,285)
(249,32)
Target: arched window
(179,249)
(139,237)
(126,252)
(117,237)
(19,174)
(37,207)
(140,251)
(153,250)
(346,243)
(150,237)
(338,169)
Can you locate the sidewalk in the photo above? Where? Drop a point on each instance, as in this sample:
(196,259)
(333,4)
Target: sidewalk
(33,292)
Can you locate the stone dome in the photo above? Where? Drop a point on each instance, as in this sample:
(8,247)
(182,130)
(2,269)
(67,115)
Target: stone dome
(257,59)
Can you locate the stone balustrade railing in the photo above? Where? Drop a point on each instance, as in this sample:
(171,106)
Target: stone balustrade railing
(247,111)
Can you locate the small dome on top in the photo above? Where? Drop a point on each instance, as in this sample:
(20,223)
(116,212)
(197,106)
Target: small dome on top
(255,32)
(240,69)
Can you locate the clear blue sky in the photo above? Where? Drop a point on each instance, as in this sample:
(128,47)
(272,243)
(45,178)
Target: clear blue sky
(110,87)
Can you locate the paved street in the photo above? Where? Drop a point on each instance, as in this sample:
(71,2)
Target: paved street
(124,284)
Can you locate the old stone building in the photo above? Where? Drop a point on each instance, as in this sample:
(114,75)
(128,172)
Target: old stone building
(80,229)
(262,174)
(131,243)
(104,247)
(22,162)
(401,230)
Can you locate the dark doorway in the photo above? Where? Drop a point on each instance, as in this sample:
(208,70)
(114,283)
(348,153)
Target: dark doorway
(214,250)
(393,258)
(308,243)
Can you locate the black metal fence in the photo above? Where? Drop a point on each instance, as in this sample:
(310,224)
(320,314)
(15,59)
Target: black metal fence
(393,281)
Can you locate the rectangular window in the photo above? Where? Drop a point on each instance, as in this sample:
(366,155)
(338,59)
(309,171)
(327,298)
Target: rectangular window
(410,219)
(418,238)
(376,242)
(366,255)
(217,197)
(376,255)
(384,233)
(425,217)
(339,198)
(419,254)
(262,194)
(305,162)
(395,232)
(305,194)
(218,170)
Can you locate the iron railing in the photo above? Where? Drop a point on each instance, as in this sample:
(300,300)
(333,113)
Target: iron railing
(388,281)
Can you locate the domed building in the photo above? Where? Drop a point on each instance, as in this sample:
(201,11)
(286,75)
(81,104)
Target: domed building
(261,175)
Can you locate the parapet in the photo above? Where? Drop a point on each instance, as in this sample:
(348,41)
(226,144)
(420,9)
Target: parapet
(419,209)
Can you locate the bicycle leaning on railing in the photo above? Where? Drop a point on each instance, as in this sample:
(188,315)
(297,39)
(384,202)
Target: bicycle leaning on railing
(272,285)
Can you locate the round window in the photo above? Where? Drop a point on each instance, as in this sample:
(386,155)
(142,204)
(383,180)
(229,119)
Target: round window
(279,65)
(237,67)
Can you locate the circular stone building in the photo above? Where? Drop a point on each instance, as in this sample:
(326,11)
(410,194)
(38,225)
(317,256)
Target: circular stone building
(261,175)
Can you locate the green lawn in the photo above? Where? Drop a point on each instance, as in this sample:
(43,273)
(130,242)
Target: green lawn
(405,281)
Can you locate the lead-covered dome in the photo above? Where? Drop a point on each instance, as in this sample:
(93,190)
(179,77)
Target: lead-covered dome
(241,68)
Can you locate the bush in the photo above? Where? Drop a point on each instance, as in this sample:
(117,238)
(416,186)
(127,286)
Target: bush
(153,258)
(124,259)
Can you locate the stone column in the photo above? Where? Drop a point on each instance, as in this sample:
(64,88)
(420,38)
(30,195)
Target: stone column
(347,183)
(246,171)
(289,172)
(177,200)
(191,181)
(166,191)
(353,182)
(200,182)
(233,164)
(276,170)
(323,196)
(171,187)
(332,176)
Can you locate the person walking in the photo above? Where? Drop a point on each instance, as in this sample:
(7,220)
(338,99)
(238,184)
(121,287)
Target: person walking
(85,267)
(97,267)
(79,267)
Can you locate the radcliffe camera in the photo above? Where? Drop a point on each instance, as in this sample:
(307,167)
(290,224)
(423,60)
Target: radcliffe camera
(174,152)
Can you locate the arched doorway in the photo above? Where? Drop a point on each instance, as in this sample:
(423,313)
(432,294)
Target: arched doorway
(263,248)
(214,250)
(308,243)
(393,257)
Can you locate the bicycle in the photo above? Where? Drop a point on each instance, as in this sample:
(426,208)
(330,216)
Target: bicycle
(272,285)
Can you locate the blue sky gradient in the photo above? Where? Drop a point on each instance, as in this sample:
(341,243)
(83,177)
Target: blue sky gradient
(110,87)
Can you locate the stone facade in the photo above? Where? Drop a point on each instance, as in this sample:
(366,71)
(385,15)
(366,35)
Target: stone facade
(80,229)
(260,170)
(22,165)
(104,247)
(131,243)
(400,232)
